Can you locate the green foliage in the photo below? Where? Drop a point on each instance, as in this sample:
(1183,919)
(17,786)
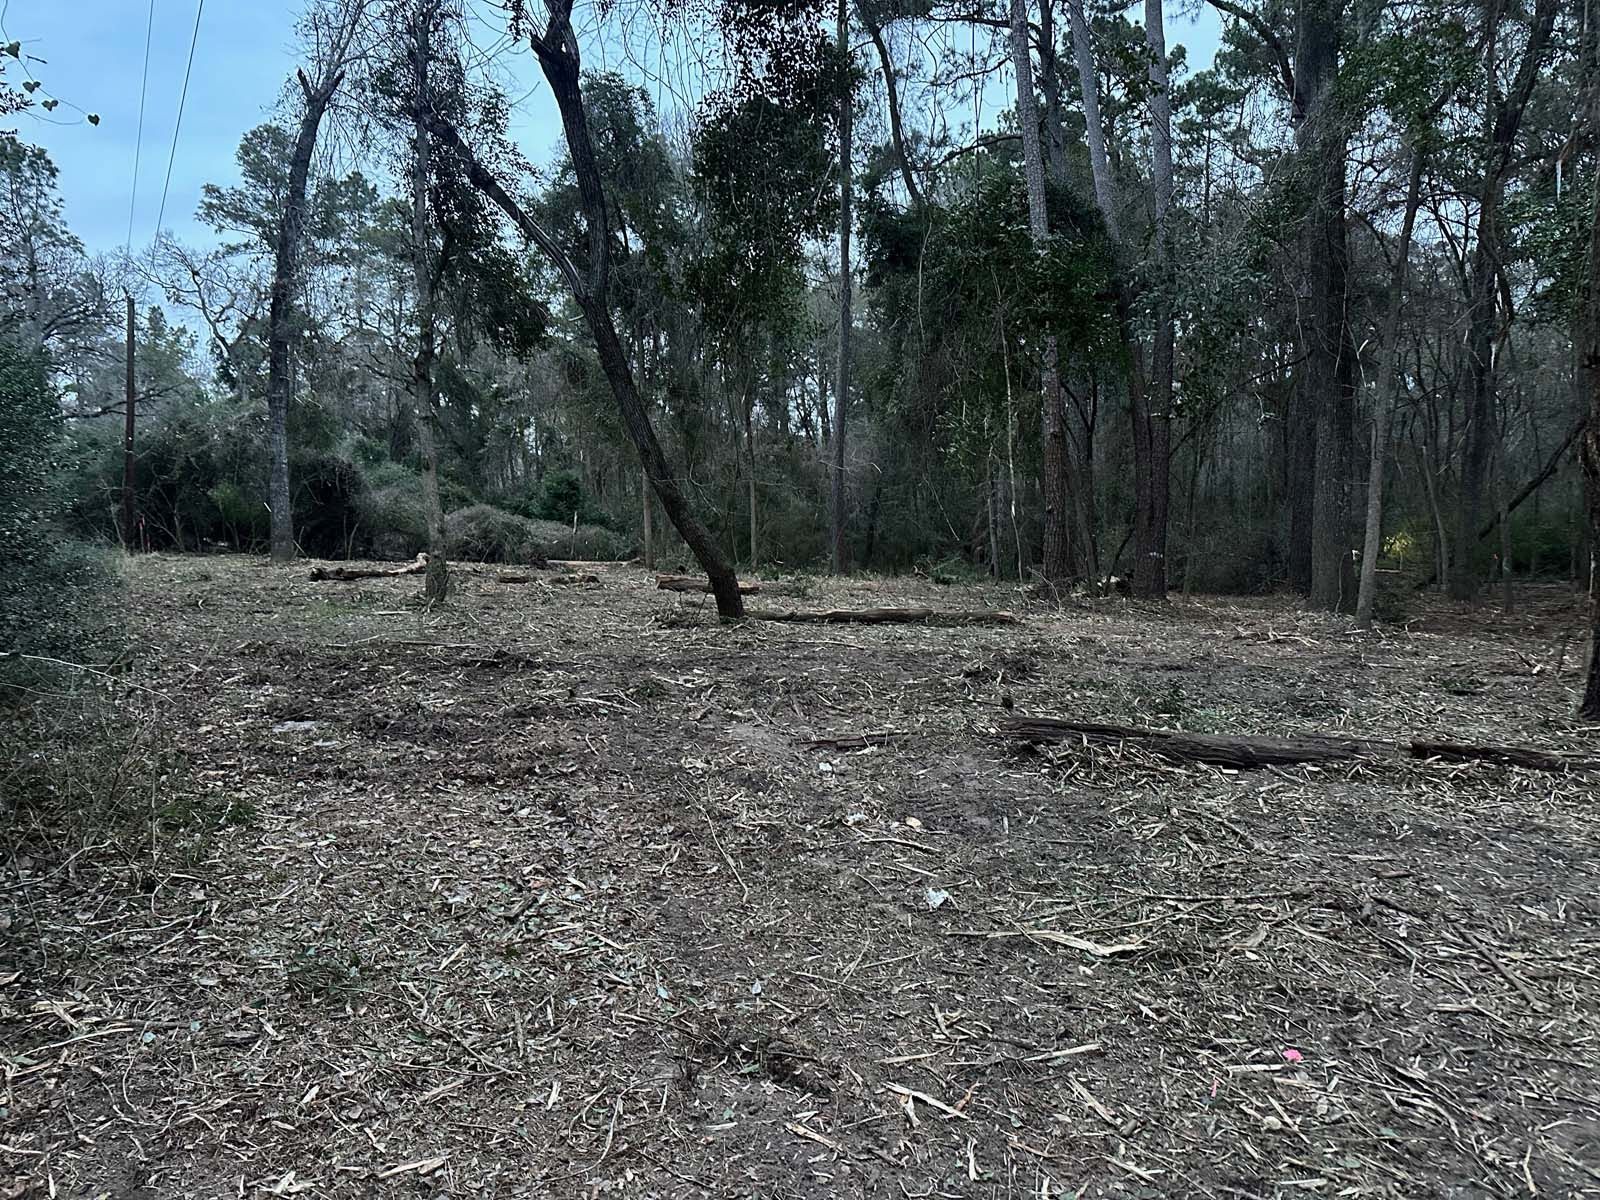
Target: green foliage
(966,297)
(50,587)
(562,498)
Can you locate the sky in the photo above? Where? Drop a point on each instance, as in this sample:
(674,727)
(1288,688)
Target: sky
(93,52)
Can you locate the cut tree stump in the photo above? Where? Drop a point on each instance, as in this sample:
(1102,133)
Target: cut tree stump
(1249,753)
(695,583)
(419,566)
(892,616)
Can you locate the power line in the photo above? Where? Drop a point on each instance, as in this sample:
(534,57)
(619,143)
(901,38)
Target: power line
(144,84)
(182,97)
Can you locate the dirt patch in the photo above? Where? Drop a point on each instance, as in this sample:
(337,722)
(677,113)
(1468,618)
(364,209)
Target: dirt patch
(553,895)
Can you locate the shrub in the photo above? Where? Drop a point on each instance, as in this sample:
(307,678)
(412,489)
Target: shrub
(484,533)
(394,523)
(49,585)
(562,497)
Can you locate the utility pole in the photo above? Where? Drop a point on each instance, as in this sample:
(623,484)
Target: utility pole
(130,539)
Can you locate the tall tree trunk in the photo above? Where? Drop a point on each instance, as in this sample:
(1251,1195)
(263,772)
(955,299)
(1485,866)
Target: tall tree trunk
(842,386)
(1588,363)
(1055,124)
(436,583)
(1328,375)
(750,444)
(1057,540)
(1388,395)
(1502,119)
(647,514)
(1431,482)
(1094,129)
(1152,419)
(280,313)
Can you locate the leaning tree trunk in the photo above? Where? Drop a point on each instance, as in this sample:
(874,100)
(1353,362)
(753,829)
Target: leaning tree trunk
(1057,541)
(436,585)
(841,393)
(280,313)
(557,50)
(1152,422)
(1094,128)
(1388,395)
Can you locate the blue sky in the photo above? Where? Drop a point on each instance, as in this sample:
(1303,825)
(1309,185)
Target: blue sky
(94,54)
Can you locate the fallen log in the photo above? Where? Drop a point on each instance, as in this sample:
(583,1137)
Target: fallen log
(1178,746)
(891,616)
(1251,753)
(419,566)
(855,741)
(695,583)
(1510,756)
(573,580)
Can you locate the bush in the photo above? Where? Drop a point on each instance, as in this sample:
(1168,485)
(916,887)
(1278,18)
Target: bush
(49,585)
(483,533)
(394,523)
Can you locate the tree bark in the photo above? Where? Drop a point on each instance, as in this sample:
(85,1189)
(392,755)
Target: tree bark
(437,585)
(1328,377)
(1054,485)
(280,312)
(1094,129)
(841,397)
(1152,413)
(1589,367)
(1388,396)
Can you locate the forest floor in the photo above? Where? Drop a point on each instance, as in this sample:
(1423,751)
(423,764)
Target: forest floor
(551,894)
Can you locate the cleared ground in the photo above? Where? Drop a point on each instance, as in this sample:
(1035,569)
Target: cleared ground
(551,894)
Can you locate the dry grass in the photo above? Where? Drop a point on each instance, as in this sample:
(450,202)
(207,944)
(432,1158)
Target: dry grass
(555,893)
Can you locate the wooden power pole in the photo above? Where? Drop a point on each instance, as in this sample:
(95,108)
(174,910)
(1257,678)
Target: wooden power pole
(130,538)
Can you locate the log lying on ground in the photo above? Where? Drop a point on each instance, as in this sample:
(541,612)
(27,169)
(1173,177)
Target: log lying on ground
(418,566)
(1248,753)
(696,583)
(573,580)
(566,580)
(892,616)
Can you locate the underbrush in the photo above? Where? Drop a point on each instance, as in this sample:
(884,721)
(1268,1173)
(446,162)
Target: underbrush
(484,533)
(95,778)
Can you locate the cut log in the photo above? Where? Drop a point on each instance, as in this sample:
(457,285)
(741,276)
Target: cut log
(418,566)
(1174,744)
(696,583)
(1511,756)
(1248,753)
(573,580)
(855,741)
(892,616)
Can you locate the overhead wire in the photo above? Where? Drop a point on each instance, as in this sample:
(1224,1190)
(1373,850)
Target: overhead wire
(138,141)
(183,97)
